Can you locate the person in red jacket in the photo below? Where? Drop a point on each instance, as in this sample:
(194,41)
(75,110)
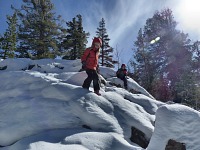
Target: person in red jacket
(90,63)
(122,74)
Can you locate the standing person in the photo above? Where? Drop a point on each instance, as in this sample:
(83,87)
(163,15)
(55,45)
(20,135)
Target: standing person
(90,63)
(122,74)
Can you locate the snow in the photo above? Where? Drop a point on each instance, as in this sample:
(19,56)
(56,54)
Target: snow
(132,85)
(44,107)
(180,123)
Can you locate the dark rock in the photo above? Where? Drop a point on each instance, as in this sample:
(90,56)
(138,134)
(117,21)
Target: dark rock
(173,145)
(39,66)
(3,68)
(86,126)
(139,138)
(30,67)
(60,67)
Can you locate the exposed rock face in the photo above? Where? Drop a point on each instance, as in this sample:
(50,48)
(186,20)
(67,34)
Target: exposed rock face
(173,145)
(138,137)
(3,68)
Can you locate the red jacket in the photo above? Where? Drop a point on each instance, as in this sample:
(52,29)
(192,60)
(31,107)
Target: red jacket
(91,57)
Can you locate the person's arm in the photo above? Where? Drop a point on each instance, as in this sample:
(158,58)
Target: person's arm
(85,55)
(125,72)
(117,72)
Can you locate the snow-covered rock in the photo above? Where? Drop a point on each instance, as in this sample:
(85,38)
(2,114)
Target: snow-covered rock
(44,107)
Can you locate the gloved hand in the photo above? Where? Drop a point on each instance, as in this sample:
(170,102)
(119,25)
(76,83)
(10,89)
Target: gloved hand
(98,69)
(83,65)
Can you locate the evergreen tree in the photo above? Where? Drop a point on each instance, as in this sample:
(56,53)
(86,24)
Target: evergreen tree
(9,41)
(165,59)
(196,59)
(196,73)
(39,31)
(75,42)
(161,88)
(1,45)
(82,40)
(106,53)
(143,64)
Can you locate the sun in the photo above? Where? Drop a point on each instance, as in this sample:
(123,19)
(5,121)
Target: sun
(190,8)
(189,13)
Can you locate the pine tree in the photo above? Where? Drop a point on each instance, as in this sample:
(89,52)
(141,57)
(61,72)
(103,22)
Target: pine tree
(82,40)
(9,41)
(160,88)
(143,66)
(166,59)
(39,31)
(106,53)
(1,45)
(75,41)
(196,59)
(196,74)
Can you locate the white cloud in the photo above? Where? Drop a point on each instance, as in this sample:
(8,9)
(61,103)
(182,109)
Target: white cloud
(123,18)
(122,21)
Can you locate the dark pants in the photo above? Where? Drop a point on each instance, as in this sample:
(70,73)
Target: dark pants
(92,75)
(124,79)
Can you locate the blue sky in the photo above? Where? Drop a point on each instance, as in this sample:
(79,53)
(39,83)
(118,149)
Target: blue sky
(123,18)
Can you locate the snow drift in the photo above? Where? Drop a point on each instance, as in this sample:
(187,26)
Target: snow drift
(43,106)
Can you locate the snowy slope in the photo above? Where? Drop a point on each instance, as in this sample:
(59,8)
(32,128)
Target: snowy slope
(43,106)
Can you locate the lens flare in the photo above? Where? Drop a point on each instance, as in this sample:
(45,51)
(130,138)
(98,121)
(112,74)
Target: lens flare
(155,40)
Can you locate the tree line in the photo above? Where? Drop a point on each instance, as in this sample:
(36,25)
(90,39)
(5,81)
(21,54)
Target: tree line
(165,61)
(34,31)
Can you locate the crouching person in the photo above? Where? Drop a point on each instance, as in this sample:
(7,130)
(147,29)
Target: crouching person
(122,74)
(90,63)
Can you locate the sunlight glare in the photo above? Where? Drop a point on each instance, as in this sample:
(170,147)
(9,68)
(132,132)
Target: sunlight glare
(189,13)
(155,40)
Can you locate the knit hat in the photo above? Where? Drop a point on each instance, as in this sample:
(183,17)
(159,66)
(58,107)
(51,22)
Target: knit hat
(123,65)
(98,40)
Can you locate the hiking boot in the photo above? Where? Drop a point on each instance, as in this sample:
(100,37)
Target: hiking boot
(97,92)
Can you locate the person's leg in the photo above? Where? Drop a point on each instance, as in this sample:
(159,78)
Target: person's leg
(88,80)
(125,82)
(96,82)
